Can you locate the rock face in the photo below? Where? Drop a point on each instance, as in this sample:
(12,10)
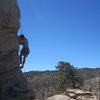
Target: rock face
(74,95)
(9,25)
(9,15)
(13,85)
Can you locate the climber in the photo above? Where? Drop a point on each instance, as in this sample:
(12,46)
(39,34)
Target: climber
(25,50)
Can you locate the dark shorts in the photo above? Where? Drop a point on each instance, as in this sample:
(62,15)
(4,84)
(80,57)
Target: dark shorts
(25,52)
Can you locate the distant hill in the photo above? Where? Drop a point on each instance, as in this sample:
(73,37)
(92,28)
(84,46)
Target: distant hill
(88,73)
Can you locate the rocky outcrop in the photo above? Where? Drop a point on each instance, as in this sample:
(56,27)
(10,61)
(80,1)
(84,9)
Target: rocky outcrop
(59,97)
(74,94)
(13,85)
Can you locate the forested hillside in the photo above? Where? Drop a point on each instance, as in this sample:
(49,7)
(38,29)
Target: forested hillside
(43,83)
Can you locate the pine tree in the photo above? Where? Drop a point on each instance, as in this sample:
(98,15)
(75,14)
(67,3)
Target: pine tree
(67,77)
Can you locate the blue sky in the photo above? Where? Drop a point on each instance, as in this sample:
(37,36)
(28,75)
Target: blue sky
(61,30)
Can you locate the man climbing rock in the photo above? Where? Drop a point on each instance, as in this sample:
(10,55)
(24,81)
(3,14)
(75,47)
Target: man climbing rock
(25,50)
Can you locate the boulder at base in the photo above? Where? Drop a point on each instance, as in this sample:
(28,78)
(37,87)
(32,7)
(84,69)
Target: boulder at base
(59,97)
(74,94)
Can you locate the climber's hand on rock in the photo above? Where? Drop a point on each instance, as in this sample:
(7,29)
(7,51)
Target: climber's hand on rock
(21,66)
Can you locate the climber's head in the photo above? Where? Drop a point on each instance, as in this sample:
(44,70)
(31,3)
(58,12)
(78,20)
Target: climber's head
(22,36)
(21,39)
